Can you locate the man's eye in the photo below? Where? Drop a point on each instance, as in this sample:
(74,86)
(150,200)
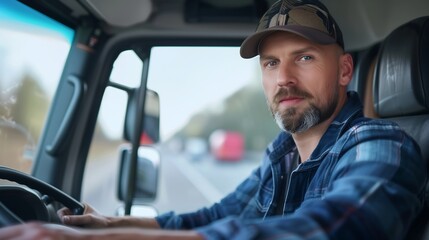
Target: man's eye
(306,58)
(271,63)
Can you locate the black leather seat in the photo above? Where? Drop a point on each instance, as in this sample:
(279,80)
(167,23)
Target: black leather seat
(364,63)
(401,90)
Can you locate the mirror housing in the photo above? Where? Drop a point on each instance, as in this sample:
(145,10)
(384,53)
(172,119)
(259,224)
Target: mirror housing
(146,184)
(150,132)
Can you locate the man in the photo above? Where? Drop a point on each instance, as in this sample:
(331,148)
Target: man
(330,173)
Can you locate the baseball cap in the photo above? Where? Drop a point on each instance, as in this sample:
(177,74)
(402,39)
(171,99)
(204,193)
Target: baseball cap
(307,18)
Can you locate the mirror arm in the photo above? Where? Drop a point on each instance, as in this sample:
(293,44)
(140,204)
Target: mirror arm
(135,140)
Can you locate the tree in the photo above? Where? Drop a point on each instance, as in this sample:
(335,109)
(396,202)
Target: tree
(245,111)
(31,106)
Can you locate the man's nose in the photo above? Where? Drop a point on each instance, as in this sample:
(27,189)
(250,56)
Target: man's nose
(286,76)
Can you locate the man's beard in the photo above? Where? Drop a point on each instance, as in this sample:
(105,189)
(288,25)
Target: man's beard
(292,121)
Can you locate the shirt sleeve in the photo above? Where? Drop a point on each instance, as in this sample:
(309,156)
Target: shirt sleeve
(375,190)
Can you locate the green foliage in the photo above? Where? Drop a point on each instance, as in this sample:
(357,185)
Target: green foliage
(31,106)
(245,111)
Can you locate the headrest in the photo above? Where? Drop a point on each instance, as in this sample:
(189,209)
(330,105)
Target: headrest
(401,80)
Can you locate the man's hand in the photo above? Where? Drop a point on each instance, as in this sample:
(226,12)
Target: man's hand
(89,219)
(36,231)
(92,219)
(39,231)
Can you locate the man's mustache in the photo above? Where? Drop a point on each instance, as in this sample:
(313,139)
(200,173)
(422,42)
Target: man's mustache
(290,92)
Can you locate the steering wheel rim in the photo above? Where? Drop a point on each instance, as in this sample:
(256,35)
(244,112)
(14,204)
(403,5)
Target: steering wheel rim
(8,218)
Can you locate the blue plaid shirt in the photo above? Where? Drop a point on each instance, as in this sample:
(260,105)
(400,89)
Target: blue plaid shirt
(364,180)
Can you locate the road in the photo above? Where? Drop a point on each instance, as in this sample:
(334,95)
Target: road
(185,184)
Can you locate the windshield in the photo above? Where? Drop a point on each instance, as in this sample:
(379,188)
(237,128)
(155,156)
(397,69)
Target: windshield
(33,50)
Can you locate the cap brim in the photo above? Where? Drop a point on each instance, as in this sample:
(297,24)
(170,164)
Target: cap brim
(250,46)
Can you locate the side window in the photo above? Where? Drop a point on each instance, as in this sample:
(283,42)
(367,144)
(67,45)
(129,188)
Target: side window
(214,123)
(33,50)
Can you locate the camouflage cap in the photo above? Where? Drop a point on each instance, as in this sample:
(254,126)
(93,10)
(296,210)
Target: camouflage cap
(307,18)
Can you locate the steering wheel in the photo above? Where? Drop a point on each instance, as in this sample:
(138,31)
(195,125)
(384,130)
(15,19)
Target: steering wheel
(7,215)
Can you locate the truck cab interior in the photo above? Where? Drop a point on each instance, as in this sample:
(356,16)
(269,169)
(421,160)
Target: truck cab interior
(388,39)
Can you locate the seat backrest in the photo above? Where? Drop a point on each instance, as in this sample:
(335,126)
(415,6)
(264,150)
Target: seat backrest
(401,89)
(401,83)
(364,65)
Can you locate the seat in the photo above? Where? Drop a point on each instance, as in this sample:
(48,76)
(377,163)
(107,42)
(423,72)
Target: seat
(401,90)
(364,61)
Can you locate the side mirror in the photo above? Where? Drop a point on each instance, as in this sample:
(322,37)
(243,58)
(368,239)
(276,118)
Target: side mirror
(146,183)
(150,132)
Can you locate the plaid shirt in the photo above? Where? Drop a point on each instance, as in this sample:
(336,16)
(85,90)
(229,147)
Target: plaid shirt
(364,180)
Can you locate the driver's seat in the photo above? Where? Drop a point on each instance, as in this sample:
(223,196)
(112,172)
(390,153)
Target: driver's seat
(401,90)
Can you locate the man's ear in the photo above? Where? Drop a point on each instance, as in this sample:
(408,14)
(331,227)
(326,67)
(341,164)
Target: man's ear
(346,71)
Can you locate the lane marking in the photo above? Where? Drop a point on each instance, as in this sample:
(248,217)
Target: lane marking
(205,187)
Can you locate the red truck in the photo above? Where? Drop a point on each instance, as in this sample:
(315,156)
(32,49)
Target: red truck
(227,145)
